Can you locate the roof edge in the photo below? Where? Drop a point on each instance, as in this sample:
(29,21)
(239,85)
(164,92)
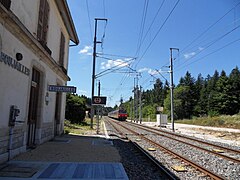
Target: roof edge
(67,19)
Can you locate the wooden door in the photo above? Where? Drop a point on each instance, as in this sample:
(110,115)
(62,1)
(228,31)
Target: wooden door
(33,108)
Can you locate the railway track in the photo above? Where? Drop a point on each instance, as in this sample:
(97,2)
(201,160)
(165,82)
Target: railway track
(165,173)
(164,143)
(224,152)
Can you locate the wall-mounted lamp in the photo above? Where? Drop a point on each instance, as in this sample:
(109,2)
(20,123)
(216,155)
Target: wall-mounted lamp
(19,56)
(47,98)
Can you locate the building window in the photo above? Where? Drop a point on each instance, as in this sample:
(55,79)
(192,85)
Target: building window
(43,22)
(6,3)
(62,53)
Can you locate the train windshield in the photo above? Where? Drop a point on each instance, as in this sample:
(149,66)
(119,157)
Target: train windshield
(122,111)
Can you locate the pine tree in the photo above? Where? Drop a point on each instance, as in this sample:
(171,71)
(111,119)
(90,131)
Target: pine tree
(221,98)
(158,92)
(234,93)
(198,86)
(187,95)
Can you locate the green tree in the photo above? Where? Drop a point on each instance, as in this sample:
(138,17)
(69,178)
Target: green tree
(201,108)
(149,111)
(234,92)
(198,86)
(158,92)
(222,97)
(187,95)
(75,108)
(178,101)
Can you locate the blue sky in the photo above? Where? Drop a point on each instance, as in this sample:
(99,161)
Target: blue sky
(138,38)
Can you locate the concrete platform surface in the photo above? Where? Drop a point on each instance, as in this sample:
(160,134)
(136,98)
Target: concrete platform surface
(67,157)
(17,170)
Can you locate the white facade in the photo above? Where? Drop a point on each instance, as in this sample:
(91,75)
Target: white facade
(42,112)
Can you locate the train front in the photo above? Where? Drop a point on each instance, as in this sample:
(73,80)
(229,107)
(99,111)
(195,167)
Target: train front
(122,115)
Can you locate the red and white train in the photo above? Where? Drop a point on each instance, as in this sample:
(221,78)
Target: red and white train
(119,114)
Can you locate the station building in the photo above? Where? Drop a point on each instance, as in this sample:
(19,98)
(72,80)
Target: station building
(34,46)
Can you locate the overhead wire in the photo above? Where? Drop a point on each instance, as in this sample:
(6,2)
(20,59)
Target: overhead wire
(177,69)
(155,17)
(157,33)
(89,19)
(210,27)
(204,32)
(211,43)
(142,26)
(104,9)
(198,37)
(141,40)
(103,36)
(112,68)
(115,55)
(144,14)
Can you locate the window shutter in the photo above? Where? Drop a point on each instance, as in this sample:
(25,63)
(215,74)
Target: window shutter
(40,20)
(43,21)
(6,3)
(62,52)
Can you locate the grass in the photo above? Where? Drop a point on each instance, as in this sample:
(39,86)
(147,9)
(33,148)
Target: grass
(225,121)
(81,128)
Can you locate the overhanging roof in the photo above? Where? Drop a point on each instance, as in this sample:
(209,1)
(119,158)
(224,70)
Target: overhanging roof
(67,19)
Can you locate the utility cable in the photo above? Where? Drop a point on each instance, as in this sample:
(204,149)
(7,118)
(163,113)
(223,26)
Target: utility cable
(151,25)
(115,55)
(145,7)
(157,32)
(204,32)
(177,69)
(112,68)
(89,19)
(103,36)
(213,42)
(104,9)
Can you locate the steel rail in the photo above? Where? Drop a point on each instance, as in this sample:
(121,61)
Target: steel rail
(157,163)
(198,167)
(209,151)
(208,143)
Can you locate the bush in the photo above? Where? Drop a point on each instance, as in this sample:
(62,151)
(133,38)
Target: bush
(213,113)
(75,113)
(75,108)
(66,131)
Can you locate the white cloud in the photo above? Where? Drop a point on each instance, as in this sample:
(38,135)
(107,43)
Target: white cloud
(114,63)
(189,55)
(153,72)
(150,71)
(86,50)
(80,91)
(143,69)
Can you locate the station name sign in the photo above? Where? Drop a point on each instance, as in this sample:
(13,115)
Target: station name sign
(99,100)
(68,89)
(14,64)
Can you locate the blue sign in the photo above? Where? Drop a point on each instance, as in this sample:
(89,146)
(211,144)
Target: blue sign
(69,89)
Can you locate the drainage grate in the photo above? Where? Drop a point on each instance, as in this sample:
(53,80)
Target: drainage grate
(18,170)
(102,142)
(61,140)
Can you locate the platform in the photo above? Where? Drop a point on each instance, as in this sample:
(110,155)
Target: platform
(67,157)
(17,170)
